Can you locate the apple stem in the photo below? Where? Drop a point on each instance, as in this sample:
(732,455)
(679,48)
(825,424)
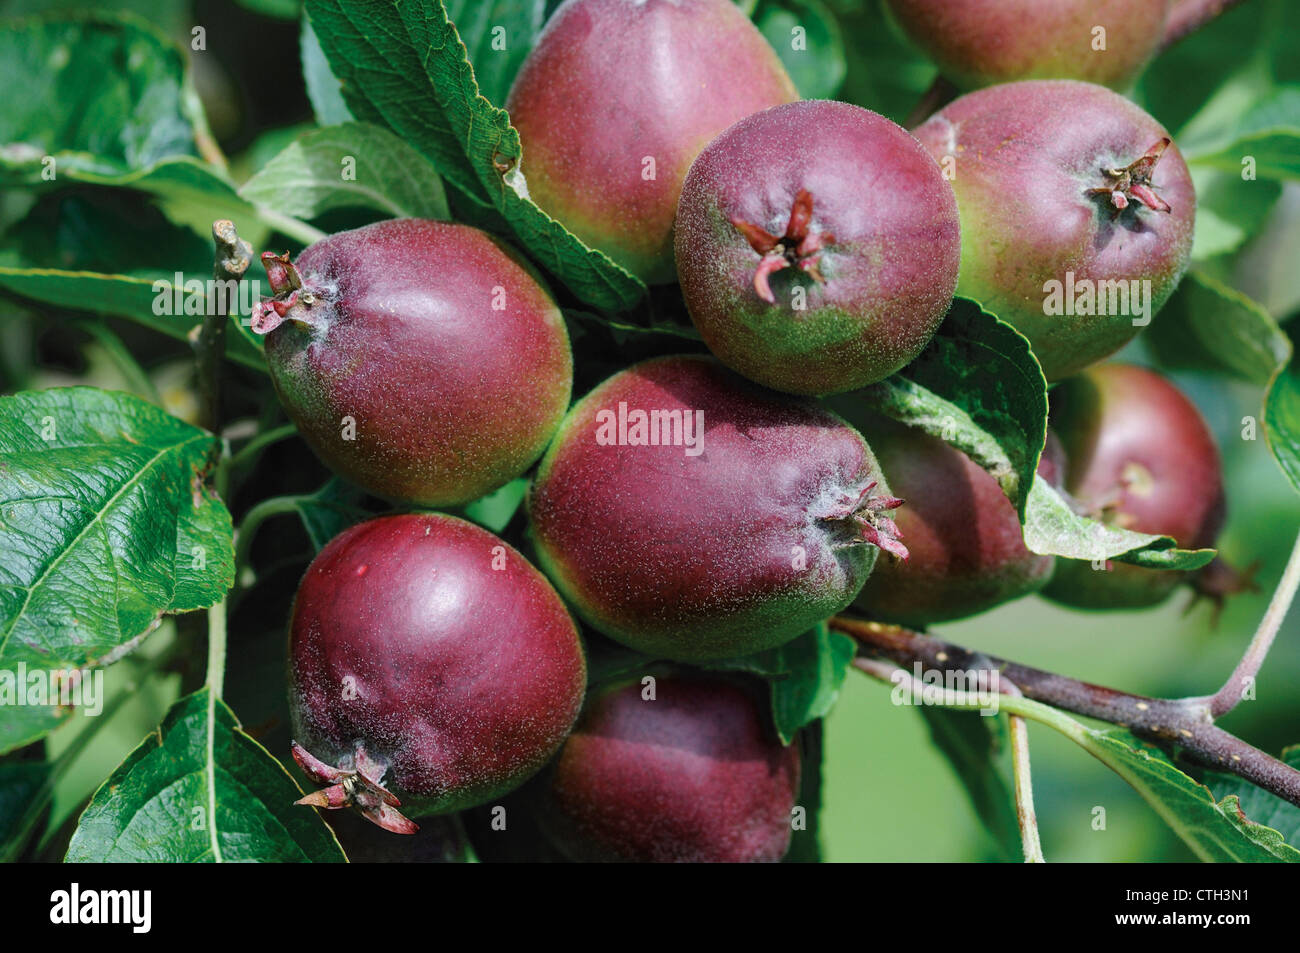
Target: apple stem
(1186,723)
(937,95)
(1026,816)
(1243,676)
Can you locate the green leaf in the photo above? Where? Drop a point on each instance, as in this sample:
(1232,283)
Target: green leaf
(805,845)
(200,790)
(1257,806)
(168,17)
(322,85)
(1215,830)
(971,742)
(89,565)
(387,175)
(1229,210)
(977,386)
(128,297)
(805,676)
(403,66)
(817,664)
(498,35)
(120,113)
(609,661)
(885,72)
(22,724)
(1264,138)
(190,192)
(59,255)
(20,782)
(808,41)
(330,510)
(1052,528)
(1193,76)
(1264,270)
(1282,420)
(1207,324)
(277,9)
(96,95)
(497,508)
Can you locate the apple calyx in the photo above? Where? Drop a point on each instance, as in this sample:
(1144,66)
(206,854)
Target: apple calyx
(871,526)
(356,784)
(1133,182)
(290,299)
(798,246)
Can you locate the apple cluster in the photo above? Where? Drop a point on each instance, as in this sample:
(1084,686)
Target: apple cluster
(698,508)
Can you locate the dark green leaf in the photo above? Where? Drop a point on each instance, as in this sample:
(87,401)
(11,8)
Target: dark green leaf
(22,724)
(498,35)
(885,73)
(1262,36)
(1282,420)
(120,112)
(88,565)
(804,676)
(818,663)
(977,386)
(384,174)
(278,9)
(331,510)
(1259,806)
(60,254)
(20,783)
(201,790)
(403,66)
(805,845)
(96,95)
